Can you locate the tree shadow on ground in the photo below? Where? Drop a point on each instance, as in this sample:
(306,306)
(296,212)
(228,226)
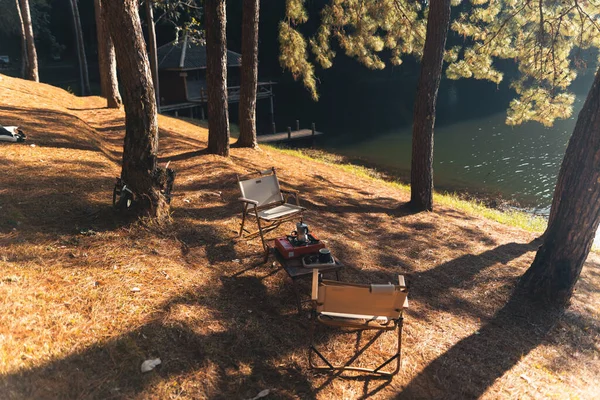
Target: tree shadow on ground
(57,129)
(88,108)
(57,198)
(432,286)
(473,364)
(234,348)
(184,156)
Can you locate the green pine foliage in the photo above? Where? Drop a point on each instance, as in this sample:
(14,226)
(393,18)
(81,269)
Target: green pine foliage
(545,38)
(361,28)
(365,28)
(293,47)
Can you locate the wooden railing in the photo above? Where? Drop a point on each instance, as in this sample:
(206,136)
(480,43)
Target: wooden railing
(264,91)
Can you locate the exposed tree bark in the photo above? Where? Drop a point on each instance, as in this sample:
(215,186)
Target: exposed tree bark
(24,57)
(216,77)
(569,237)
(249,74)
(556,198)
(152,51)
(421,172)
(31,72)
(83,69)
(107,64)
(140,171)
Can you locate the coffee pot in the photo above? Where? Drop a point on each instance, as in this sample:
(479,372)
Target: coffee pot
(302,232)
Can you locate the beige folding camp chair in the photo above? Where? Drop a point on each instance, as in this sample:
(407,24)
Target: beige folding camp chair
(263,199)
(357,308)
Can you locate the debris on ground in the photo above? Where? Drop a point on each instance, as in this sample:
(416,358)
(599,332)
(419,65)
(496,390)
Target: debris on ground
(149,365)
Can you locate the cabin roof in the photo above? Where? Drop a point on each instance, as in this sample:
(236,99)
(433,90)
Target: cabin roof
(169,56)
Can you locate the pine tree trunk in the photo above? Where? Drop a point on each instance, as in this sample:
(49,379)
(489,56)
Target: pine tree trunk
(249,74)
(152,52)
(107,64)
(421,172)
(569,237)
(24,61)
(83,69)
(556,198)
(31,72)
(216,77)
(140,169)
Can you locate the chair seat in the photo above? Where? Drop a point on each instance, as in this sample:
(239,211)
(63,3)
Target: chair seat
(280,211)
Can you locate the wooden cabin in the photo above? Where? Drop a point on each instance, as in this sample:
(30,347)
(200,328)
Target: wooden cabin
(182,77)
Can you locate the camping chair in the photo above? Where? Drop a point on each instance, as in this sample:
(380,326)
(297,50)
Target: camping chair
(357,308)
(263,199)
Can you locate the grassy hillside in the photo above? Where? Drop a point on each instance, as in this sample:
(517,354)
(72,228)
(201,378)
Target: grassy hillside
(73,323)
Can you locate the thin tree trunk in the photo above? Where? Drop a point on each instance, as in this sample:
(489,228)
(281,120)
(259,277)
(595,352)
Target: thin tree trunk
(102,51)
(24,61)
(140,170)
(83,69)
(79,62)
(31,72)
(216,77)
(569,237)
(249,74)
(421,172)
(107,63)
(152,52)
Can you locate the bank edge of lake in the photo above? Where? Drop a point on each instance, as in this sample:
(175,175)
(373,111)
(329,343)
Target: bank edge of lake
(477,204)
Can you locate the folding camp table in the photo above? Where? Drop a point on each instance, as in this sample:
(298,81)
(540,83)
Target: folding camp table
(293,267)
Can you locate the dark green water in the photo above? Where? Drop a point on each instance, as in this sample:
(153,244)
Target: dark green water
(481,155)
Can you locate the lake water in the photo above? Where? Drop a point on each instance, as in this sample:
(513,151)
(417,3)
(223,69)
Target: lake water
(480,155)
(474,150)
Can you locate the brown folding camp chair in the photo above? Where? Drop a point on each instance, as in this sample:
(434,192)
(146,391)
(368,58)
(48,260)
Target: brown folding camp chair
(263,199)
(357,308)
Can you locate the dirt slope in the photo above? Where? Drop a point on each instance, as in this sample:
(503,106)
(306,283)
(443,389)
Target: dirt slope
(225,325)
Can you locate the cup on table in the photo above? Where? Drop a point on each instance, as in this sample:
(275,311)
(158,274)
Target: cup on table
(324,256)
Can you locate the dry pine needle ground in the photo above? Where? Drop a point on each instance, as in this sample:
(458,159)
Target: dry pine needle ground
(225,325)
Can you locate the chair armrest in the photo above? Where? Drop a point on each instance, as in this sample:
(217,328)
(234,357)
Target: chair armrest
(291,192)
(245,200)
(315,285)
(401,282)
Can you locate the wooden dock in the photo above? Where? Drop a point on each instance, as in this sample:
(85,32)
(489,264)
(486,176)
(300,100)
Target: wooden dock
(285,136)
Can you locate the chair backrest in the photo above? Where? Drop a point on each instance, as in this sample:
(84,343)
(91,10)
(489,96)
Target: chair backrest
(265,190)
(347,298)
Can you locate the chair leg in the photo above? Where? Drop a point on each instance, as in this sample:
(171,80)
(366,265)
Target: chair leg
(267,252)
(347,366)
(396,356)
(262,236)
(400,325)
(244,212)
(312,349)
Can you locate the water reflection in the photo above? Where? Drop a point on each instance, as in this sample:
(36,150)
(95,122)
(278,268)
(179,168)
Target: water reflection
(482,155)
